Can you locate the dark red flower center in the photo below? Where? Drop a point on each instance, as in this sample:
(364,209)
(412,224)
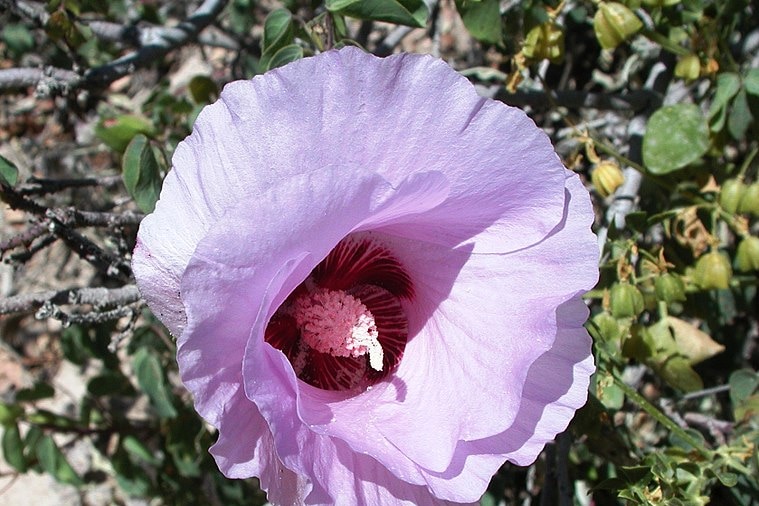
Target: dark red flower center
(344,328)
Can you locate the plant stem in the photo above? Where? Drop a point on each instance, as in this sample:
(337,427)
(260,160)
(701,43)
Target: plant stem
(660,417)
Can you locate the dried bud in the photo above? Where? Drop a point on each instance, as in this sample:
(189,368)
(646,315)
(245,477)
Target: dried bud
(747,256)
(669,288)
(614,23)
(713,271)
(625,300)
(731,194)
(749,203)
(607,177)
(689,67)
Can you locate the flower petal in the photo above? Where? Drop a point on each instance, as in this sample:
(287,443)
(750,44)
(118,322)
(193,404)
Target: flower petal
(500,167)
(255,123)
(245,448)
(472,341)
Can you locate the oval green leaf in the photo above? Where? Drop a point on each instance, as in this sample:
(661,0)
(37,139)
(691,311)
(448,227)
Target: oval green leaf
(13,448)
(482,18)
(676,135)
(141,173)
(8,172)
(402,12)
(150,376)
(286,55)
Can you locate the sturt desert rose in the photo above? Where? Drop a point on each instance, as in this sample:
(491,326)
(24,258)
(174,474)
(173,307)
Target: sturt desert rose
(374,277)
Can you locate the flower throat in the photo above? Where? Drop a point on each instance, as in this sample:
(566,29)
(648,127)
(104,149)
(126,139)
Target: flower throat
(344,328)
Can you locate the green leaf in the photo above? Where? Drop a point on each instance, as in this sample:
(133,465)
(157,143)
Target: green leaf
(278,33)
(728,84)
(286,55)
(676,136)
(727,478)
(35,393)
(150,376)
(751,81)
(109,383)
(48,418)
(610,395)
(117,132)
(482,19)
(135,448)
(18,38)
(53,462)
(141,173)
(182,443)
(740,117)
(8,172)
(132,479)
(402,12)
(743,384)
(13,448)
(203,89)
(9,413)
(76,345)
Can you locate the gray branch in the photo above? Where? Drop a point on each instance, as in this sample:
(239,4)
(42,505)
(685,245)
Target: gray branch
(97,297)
(72,217)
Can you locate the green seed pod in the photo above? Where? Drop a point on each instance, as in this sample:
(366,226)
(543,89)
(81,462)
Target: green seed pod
(688,68)
(669,288)
(747,256)
(544,41)
(608,327)
(607,177)
(749,203)
(713,271)
(614,23)
(625,300)
(731,194)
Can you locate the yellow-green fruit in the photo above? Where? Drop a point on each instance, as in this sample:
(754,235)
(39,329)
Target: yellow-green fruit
(544,41)
(747,256)
(625,300)
(608,327)
(731,194)
(713,271)
(669,288)
(607,177)
(749,203)
(689,67)
(614,23)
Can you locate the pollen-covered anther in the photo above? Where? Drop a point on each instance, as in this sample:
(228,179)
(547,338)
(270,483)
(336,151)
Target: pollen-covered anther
(334,322)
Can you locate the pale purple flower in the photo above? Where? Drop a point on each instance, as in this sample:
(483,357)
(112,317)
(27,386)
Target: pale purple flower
(374,278)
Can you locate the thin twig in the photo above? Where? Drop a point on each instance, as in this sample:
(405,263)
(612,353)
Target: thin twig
(706,391)
(25,238)
(81,245)
(50,310)
(24,256)
(39,186)
(72,217)
(89,251)
(99,297)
